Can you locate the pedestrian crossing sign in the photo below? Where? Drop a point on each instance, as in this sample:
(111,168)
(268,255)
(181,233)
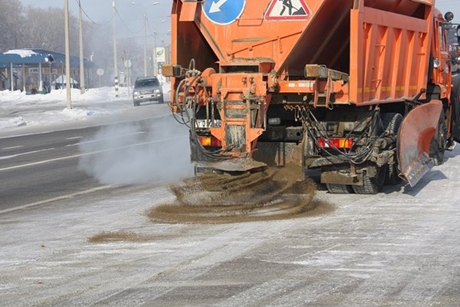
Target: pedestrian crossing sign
(287,10)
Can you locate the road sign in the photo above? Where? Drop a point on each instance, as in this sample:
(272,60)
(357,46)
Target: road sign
(287,10)
(160,54)
(223,12)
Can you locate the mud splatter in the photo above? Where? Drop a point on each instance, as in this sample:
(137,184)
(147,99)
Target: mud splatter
(121,236)
(275,193)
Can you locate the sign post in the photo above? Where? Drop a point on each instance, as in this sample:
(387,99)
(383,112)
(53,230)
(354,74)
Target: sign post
(100,73)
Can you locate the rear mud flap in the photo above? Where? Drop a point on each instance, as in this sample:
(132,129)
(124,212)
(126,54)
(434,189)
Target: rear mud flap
(417,131)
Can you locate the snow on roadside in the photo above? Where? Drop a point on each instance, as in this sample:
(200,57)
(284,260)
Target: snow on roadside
(17,109)
(12,122)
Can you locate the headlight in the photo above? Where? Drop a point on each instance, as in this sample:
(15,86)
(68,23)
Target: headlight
(157,90)
(136,93)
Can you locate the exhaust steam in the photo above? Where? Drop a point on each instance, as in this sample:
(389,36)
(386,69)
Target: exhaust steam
(137,154)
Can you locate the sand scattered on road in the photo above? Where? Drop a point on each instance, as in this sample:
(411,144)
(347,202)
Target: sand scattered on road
(120,236)
(275,193)
(212,198)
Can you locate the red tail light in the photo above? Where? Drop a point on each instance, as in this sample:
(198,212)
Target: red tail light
(341,143)
(209,141)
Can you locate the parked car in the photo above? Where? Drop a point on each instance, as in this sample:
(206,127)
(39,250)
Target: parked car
(147,89)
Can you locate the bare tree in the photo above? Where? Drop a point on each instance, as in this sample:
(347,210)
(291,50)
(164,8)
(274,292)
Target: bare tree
(11,25)
(38,28)
(45,29)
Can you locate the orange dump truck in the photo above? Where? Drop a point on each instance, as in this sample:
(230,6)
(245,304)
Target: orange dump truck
(360,90)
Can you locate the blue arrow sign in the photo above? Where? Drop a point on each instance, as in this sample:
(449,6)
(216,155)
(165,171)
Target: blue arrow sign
(223,12)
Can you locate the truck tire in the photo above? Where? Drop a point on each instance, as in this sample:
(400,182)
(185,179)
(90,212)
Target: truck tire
(339,188)
(455,98)
(392,123)
(336,188)
(374,184)
(438,144)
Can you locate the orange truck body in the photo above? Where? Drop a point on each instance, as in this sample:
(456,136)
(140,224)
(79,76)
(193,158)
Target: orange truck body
(274,81)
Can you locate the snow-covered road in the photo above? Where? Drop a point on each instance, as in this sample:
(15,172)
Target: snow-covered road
(398,248)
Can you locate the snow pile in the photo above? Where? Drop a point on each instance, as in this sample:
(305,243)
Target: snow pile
(102,94)
(12,122)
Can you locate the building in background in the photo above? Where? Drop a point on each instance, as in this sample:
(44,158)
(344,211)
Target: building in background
(36,70)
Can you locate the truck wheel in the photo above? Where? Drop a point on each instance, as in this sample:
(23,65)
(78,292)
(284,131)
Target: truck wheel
(335,188)
(309,153)
(372,185)
(392,122)
(392,177)
(339,188)
(455,98)
(438,144)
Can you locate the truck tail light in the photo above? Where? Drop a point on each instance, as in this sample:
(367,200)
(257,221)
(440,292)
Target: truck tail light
(341,143)
(209,141)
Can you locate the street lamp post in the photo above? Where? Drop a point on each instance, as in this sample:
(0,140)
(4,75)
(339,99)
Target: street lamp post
(155,65)
(82,67)
(115,64)
(155,62)
(67,53)
(145,45)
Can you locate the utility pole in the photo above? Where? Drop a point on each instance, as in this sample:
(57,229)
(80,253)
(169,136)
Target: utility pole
(145,40)
(67,53)
(82,64)
(115,64)
(155,65)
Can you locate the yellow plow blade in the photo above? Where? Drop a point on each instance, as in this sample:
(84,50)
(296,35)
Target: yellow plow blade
(417,131)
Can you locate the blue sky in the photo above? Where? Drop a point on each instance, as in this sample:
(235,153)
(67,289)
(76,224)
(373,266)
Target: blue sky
(100,10)
(450,5)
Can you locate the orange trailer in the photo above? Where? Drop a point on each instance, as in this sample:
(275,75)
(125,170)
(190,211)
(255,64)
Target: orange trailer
(361,90)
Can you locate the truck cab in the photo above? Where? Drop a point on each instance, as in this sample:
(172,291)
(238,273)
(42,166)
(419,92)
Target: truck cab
(452,31)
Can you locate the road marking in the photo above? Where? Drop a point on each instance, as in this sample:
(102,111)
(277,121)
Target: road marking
(42,202)
(86,154)
(104,139)
(13,147)
(112,138)
(74,138)
(25,153)
(43,162)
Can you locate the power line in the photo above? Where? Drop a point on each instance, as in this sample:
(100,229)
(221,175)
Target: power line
(123,22)
(90,19)
(126,26)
